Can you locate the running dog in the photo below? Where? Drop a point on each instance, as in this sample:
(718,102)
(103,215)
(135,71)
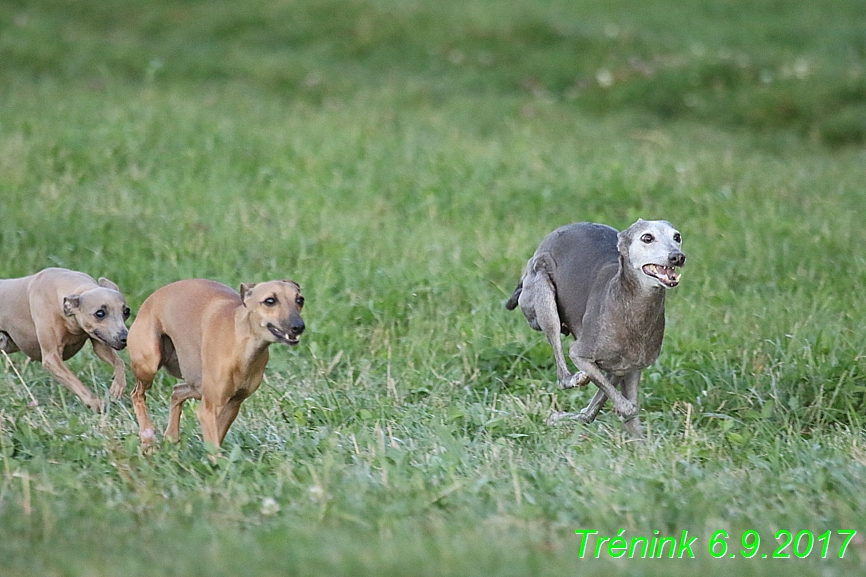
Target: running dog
(216,340)
(607,289)
(50,315)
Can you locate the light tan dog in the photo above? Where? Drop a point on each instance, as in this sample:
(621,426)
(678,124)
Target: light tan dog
(50,315)
(216,340)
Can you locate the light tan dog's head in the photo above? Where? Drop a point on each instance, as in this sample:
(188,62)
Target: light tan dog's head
(100,312)
(275,310)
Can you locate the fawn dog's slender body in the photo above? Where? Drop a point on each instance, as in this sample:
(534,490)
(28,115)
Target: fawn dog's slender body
(216,340)
(50,315)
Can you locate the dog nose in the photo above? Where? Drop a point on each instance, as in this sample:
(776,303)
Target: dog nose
(677,258)
(298,327)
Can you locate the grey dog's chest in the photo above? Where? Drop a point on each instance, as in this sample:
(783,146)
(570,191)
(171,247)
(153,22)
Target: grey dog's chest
(620,353)
(621,337)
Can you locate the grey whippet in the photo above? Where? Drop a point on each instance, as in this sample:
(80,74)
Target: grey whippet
(607,289)
(50,315)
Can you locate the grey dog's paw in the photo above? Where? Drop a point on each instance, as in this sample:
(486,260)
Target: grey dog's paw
(557,417)
(578,379)
(584,417)
(626,410)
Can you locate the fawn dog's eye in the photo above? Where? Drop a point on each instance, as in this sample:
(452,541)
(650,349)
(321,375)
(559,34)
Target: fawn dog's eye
(299,300)
(270,301)
(647,238)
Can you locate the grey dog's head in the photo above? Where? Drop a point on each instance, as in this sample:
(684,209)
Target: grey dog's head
(652,248)
(101,312)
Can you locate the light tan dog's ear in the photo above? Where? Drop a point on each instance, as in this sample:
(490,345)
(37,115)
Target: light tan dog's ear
(245,290)
(105,283)
(71,304)
(297,286)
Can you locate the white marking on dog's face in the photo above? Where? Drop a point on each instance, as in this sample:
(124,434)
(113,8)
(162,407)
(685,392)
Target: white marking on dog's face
(653,248)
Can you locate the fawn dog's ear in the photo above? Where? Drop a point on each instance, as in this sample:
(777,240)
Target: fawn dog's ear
(245,291)
(105,283)
(71,304)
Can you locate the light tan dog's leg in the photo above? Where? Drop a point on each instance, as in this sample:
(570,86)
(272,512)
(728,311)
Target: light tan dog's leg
(107,354)
(139,404)
(227,417)
(179,395)
(207,418)
(216,416)
(52,361)
(145,357)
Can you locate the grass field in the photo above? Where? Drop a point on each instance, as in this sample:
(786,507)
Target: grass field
(401,160)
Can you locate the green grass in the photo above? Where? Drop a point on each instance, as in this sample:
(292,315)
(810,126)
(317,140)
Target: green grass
(401,161)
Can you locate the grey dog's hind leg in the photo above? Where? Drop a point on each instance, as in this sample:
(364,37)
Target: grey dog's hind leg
(538,302)
(590,411)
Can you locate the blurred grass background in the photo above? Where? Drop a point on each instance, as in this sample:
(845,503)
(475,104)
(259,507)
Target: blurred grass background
(401,160)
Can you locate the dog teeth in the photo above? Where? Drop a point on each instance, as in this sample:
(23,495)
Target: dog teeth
(665,274)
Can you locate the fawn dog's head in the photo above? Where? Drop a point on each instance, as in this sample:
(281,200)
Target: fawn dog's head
(101,312)
(275,310)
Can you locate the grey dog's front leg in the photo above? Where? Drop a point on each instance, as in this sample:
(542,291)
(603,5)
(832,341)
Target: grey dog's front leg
(587,414)
(590,412)
(630,388)
(623,407)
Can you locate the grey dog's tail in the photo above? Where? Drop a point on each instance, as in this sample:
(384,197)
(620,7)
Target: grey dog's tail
(512,302)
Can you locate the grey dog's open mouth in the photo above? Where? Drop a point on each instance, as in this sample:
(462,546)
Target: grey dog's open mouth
(667,275)
(283,336)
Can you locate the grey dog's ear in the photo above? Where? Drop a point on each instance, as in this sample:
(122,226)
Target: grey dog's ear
(71,304)
(105,283)
(623,241)
(624,238)
(245,290)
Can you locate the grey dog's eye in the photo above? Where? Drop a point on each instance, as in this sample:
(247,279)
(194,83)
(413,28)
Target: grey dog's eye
(270,301)
(100,314)
(678,238)
(647,238)
(126,312)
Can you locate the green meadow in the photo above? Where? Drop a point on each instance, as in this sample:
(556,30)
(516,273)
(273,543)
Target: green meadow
(401,160)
